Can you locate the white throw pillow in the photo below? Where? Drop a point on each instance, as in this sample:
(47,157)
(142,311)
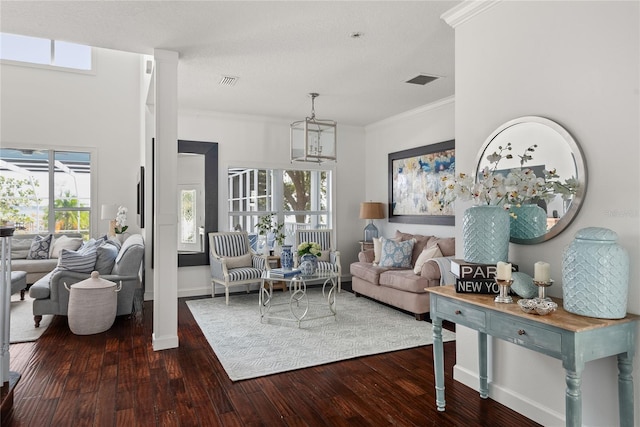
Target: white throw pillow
(426,255)
(64,242)
(377,250)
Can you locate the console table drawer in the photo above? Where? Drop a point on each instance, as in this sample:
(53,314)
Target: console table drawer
(460,313)
(526,334)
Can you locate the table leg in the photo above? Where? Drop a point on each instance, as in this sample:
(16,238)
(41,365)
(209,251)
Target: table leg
(625,389)
(482,364)
(573,398)
(438,362)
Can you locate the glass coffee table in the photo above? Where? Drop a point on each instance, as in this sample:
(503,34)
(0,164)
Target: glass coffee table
(299,301)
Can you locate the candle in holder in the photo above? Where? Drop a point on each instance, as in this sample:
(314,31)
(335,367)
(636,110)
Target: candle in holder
(503,271)
(541,271)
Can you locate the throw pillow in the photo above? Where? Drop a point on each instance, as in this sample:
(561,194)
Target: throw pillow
(40,247)
(396,254)
(325,256)
(82,262)
(64,242)
(106,255)
(377,250)
(426,255)
(20,247)
(239,261)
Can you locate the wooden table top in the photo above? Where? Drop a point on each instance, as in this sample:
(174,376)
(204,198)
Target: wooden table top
(560,318)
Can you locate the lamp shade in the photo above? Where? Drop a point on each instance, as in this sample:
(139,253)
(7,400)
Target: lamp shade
(371,210)
(109,212)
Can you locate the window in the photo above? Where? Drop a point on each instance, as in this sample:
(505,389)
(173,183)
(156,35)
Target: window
(299,198)
(45,190)
(35,50)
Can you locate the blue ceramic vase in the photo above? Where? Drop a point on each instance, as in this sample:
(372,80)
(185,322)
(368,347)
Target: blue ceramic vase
(595,275)
(286,257)
(485,234)
(312,259)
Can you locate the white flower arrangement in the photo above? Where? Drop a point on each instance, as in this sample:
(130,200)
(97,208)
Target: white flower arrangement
(519,186)
(121,220)
(312,248)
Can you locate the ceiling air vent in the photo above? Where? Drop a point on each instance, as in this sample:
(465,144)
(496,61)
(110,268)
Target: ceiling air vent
(422,79)
(228,81)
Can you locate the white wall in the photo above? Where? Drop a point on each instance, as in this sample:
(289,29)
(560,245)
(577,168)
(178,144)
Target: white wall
(427,125)
(261,141)
(576,63)
(66,110)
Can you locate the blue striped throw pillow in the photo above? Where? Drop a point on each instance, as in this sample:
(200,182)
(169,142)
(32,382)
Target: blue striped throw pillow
(80,261)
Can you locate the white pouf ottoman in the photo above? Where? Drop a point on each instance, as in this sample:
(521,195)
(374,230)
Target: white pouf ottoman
(92,305)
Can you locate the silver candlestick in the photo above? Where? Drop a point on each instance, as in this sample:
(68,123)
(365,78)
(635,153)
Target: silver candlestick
(542,286)
(504,296)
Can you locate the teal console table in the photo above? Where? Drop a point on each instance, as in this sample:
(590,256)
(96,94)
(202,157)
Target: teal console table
(571,338)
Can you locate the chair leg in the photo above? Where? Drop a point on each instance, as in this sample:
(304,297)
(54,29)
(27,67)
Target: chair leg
(36,320)
(226,294)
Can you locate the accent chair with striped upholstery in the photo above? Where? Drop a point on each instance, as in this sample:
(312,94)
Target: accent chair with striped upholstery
(233,263)
(330,258)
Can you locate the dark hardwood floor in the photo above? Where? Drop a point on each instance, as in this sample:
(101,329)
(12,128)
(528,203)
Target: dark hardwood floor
(116,379)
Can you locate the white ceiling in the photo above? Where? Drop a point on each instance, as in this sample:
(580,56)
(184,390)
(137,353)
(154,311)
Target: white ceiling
(280,50)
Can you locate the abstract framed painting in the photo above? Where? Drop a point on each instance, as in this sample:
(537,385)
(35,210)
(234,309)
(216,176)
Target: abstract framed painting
(415,185)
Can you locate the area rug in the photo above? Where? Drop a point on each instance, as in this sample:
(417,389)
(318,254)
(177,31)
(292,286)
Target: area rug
(22,329)
(248,348)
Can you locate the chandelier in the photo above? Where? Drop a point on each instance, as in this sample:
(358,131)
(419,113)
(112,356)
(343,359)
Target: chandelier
(313,140)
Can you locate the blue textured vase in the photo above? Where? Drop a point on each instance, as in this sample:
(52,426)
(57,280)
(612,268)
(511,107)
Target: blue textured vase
(312,259)
(485,234)
(286,257)
(595,275)
(530,221)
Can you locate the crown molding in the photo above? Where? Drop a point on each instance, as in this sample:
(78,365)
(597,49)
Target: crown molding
(407,114)
(466,10)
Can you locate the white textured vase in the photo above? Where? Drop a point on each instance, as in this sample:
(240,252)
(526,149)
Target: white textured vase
(485,233)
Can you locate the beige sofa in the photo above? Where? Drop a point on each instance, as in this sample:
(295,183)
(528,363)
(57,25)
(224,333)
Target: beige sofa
(401,287)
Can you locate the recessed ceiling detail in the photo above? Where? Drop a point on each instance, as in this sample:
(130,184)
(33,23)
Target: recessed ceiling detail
(228,81)
(422,79)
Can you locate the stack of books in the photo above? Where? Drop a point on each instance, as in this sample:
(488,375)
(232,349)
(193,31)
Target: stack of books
(283,272)
(476,278)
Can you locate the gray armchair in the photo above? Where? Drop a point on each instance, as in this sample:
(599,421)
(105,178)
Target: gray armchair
(51,296)
(233,263)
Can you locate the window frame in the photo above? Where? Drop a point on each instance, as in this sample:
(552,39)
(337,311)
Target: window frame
(94,211)
(278,196)
(51,66)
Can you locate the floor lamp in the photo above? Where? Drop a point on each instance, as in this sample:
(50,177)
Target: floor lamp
(371,211)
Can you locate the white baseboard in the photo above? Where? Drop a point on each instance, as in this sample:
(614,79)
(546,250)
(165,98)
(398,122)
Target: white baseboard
(164,343)
(532,410)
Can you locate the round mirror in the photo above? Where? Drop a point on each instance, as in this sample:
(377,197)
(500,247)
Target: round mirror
(541,146)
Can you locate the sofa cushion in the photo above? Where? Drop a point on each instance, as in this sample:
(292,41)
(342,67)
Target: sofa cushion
(40,247)
(64,242)
(41,288)
(427,253)
(447,245)
(421,243)
(34,265)
(404,280)
(396,254)
(20,247)
(367,271)
(130,256)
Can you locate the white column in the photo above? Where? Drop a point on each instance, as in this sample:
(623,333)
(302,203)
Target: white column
(165,246)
